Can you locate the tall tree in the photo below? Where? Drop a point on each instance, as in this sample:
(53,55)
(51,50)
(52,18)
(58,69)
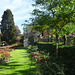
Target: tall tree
(61,13)
(8,27)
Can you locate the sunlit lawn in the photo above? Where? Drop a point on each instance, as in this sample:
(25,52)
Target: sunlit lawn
(19,64)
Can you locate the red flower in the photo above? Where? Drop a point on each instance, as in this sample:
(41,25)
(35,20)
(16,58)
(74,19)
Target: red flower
(44,58)
(35,54)
(0,49)
(40,59)
(40,52)
(34,57)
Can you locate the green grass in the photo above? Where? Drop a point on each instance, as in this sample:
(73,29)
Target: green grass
(20,64)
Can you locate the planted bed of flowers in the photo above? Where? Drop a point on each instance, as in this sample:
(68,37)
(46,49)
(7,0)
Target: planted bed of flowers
(46,62)
(13,45)
(42,59)
(40,56)
(5,55)
(5,52)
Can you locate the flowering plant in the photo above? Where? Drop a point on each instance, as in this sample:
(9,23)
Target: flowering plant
(41,56)
(4,55)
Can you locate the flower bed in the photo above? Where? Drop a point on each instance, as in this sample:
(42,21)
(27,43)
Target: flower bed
(4,55)
(13,46)
(46,62)
(41,56)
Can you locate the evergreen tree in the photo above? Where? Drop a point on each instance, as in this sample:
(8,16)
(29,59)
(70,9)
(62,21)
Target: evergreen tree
(8,27)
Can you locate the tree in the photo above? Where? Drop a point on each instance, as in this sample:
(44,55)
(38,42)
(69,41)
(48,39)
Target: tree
(67,29)
(60,13)
(8,27)
(17,30)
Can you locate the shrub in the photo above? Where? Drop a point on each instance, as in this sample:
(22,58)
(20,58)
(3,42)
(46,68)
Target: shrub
(4,56)
(64,65)
(41,56)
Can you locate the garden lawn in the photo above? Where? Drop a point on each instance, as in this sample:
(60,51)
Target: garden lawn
(20,63)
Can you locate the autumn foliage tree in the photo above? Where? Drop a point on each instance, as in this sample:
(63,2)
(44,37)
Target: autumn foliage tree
(17,30)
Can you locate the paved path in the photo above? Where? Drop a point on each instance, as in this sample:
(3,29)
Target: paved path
(20,64)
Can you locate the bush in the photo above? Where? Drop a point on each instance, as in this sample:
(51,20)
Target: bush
(4,56)
(64,65)
(41,56)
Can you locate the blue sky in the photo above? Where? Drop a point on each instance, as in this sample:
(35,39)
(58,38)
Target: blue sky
(21,10)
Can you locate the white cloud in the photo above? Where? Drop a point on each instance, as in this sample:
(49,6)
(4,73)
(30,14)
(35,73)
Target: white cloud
(18,18)
(19,8)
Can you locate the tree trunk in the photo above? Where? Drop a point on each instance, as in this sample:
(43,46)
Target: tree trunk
(48,38)
(56,45)
(64,38)
(51,38)
(48,35)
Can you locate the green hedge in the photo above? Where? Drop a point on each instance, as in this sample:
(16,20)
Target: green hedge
(66,55)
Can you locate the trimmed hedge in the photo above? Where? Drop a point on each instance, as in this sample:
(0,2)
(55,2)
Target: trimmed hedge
(66,55)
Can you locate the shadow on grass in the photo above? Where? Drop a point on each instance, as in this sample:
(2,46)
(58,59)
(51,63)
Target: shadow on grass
(30,71)
(15,68)
(31,51)
(19,47)
(27,72)
(11,65)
